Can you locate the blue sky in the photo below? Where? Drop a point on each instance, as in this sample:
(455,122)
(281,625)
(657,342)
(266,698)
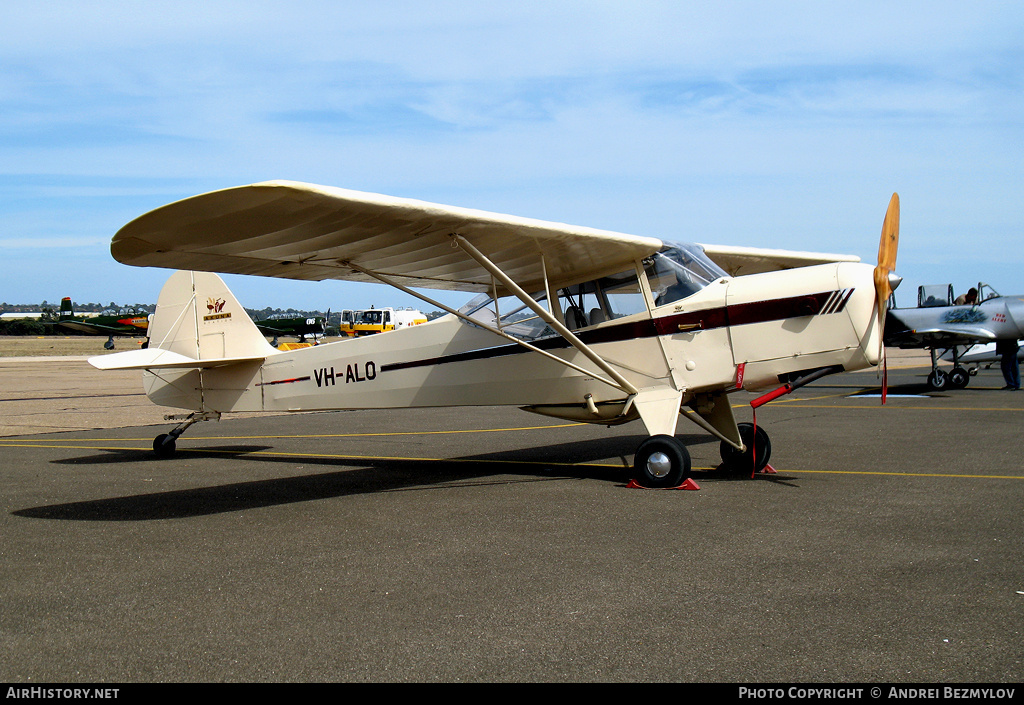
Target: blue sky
(784,125)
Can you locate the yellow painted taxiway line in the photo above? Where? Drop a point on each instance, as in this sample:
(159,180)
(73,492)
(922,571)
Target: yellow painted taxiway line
(800,405)
(316,435)
(378,458)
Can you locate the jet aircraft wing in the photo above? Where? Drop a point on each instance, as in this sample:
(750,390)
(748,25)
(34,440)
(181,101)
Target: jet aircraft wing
(738,261)
(303,231)
(937,336)
(83,327)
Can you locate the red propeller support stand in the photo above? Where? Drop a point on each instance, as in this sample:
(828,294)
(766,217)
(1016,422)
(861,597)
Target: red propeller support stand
(782,391)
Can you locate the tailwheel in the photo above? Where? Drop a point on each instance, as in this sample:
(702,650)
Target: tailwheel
(756,442)
(661,462)
(163,445)
(959,378)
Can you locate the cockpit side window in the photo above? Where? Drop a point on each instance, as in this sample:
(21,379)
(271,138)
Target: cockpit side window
(580,305)
(677,271)
(509,314)
(604,299)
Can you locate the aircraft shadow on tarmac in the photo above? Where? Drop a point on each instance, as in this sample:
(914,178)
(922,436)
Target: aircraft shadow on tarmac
(367,475)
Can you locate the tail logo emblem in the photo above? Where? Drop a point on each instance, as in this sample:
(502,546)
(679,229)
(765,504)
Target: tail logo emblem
(216,308)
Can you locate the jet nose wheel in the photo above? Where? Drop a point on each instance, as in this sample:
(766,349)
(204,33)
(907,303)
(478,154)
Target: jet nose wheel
(756,442)
(660,462)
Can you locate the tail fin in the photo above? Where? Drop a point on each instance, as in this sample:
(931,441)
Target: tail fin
(198,323)
(198,317)
(66,309)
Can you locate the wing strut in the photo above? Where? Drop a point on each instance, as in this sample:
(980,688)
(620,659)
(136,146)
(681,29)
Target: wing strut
(627,388)
(622,382)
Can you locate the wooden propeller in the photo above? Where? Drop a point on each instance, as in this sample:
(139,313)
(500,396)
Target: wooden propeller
(887,246)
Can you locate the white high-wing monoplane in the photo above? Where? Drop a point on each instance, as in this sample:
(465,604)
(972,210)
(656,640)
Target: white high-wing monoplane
(571,322)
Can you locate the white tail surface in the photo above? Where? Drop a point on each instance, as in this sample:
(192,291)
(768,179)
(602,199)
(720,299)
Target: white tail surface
(204,352)
(198,323)
(198,317)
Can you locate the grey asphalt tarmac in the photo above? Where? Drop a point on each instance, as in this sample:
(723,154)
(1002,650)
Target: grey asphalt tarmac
(491,545)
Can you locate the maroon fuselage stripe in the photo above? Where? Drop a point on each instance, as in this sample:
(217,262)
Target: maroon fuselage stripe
(692,322)
(284,381)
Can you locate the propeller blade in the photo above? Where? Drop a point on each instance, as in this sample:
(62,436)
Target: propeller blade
(887,247)
(888,244)
(890,234)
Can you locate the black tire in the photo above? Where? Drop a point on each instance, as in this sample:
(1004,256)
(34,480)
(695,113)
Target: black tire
(661,462)
(163,446)
(959,378)
(938,380)
(743,463)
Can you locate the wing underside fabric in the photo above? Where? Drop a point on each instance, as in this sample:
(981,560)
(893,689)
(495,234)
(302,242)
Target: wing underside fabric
(302,231)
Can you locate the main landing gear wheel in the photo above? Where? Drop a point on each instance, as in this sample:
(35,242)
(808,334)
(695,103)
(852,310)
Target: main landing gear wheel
(756,442)
(938,380)
(661,462)
(959,378)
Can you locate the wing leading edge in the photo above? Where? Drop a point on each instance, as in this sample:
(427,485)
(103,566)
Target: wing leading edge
(738,261)
(303,231)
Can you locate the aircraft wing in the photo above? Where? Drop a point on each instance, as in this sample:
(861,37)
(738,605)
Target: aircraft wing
(303,231)
(937,337)
(96,329)
(738,261)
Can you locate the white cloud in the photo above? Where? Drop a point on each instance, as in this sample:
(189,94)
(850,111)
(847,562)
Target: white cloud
(782,124)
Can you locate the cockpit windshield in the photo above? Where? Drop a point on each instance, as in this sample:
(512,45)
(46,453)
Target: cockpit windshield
(678,271)
(373,316)
(675,272)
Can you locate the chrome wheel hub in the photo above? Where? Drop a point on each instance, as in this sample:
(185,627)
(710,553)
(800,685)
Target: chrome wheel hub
(658,464)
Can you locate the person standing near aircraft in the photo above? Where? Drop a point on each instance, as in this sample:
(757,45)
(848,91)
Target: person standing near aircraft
(1007,349)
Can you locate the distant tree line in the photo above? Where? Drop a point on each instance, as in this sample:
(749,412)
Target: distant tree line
(79,308)
(23,326)
(43,324)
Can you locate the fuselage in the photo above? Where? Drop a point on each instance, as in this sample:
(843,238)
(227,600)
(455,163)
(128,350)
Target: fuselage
(734,332)
(998,318)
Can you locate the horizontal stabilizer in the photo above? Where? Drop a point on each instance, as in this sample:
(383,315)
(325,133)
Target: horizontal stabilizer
(156,359)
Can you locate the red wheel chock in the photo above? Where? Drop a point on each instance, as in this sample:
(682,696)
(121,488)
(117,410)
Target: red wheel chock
(688,484)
